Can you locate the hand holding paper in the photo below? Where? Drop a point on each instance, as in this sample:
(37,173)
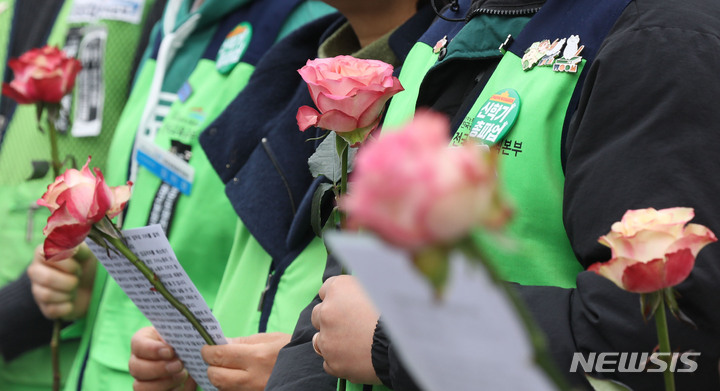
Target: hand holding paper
(154,364)
(152,246)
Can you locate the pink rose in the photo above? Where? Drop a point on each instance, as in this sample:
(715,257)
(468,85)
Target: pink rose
(77,200)
(652,249)
(415,191)
(350,93)
(41,75)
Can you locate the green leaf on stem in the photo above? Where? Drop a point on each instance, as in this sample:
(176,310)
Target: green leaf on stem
(326,160)
(359,135)
(316,207)
(432,262)
(39,107)
(649,303)
(40,168)
(606,385)
(671,300)
(71,159)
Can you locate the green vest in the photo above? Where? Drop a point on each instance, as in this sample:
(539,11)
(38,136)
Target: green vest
(531,179)
(530,173)
(246,276)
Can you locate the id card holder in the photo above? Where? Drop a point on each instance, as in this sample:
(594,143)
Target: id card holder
(167,166)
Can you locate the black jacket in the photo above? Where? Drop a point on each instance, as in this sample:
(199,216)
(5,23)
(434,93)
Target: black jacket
(640,133)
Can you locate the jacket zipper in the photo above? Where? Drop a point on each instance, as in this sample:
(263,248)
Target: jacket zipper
(503,12)
(261,304)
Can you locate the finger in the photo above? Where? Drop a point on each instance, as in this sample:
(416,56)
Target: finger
(262,338)
(69,266)
(316,345)
(231,356)
(325,286)
(50,296)
(146,370)
(315,316)
(47,276)
(189,385)
(166,384)
(227,379)
(55,311)
(146,344)
(329,369)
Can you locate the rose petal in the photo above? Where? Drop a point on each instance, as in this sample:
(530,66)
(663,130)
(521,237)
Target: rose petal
(121,195)
(613,269)
(336,121)
(102,199)
(47,89)
(643,245)
(12,92)
(694,238)
(306,117)
(678,266)
(61,241)
(78,201)
(644,277)
(353,106)
(70,68)
(375,110)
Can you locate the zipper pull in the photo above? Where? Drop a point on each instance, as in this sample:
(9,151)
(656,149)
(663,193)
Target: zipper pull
(265,291)
(505,45)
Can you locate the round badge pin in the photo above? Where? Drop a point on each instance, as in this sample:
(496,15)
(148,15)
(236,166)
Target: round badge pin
(233,48)
(496,117)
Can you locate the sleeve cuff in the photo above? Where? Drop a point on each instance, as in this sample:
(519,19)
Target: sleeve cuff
(380,355)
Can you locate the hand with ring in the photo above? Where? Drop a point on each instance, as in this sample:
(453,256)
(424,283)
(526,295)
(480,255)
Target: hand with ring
(346,320)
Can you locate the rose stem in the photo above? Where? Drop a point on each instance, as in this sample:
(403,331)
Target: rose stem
(56,166)
(542,357)
(664,339)
(55,351)
(54,152)
(157,284)
(343,146)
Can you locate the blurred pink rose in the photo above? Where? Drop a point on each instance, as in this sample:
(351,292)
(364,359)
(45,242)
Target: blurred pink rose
(652,249)
(415,191)
(77,200)
(350,93)
(41,75)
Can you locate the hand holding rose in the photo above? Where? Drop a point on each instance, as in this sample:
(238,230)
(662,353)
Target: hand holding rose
(346,321)
(62,289)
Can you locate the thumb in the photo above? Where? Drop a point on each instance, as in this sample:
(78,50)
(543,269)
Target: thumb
(83,253)
(259,338)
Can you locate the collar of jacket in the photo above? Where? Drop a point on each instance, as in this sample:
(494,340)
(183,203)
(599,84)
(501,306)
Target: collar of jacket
(504,7)
(211,11)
